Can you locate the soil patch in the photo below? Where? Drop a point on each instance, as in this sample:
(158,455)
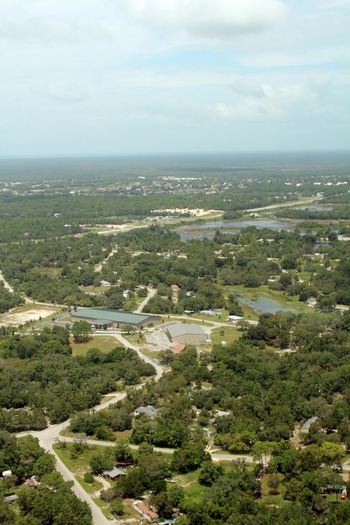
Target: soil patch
(18,316)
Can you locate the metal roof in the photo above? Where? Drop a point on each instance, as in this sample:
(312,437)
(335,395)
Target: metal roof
(309,422)
(104,315)
(185,329)
(114,472)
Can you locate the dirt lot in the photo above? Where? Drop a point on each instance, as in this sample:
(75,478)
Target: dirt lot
(20,315)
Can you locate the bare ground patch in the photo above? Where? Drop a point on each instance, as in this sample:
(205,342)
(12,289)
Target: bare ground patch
(22,314)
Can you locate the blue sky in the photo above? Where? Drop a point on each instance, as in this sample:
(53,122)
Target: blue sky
(147,76)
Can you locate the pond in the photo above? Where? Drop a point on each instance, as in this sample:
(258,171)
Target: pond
(313,207)
(265,305)
(207,229)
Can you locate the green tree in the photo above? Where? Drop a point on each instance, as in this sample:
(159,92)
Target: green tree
(81,331)
(210,472)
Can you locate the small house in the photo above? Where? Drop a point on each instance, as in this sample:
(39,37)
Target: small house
(306,426)
(113,473)
(145,511)
(149,411)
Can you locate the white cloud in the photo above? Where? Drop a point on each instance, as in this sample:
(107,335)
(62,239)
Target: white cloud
(62,92)
(247,88)
(207,18)
(286,102)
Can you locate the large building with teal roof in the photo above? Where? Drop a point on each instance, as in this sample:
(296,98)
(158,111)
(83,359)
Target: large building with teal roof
(103,318)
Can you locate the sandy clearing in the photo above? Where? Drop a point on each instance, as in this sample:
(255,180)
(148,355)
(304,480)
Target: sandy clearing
(16,317)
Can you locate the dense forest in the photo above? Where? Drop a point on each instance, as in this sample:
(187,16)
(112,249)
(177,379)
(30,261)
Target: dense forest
(41,381)
(294,263)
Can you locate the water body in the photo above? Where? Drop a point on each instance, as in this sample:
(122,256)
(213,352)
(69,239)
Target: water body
(208,229)
(313,207)
(265,306)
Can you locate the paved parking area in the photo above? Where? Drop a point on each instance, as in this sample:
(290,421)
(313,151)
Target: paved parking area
(158,340)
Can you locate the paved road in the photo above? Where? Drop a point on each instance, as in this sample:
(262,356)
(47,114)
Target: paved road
(215,456)
(49,436)
(127,344)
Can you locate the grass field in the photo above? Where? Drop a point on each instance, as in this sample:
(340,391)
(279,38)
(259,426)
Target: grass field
(193,490)
(105,343)
(228,334)
(80,464)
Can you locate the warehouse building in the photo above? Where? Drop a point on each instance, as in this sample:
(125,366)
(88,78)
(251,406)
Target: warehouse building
(187,333)
(103,318)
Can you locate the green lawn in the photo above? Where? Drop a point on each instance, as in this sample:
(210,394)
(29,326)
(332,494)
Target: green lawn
(228,334)
(105,343)
(80,464)
(194,492)
(272,499)
(90,488)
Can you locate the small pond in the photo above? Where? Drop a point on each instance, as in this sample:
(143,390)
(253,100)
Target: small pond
(265,305)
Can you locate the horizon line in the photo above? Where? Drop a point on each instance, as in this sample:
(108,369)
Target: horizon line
(165,154)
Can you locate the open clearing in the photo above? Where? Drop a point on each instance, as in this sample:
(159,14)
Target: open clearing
(25,313)
(104,343)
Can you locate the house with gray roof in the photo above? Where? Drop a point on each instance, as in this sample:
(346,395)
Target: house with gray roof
(306,426)
(187,333)
(113,473)
(149,411)
(103,318)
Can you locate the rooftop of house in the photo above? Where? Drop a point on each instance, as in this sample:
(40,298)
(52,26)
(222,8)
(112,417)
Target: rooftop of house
(149,411)
(145,510)
(113,473)
(308,423)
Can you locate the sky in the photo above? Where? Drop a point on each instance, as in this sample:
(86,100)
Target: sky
(121,77)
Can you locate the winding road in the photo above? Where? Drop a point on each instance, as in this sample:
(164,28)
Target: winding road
(49,436)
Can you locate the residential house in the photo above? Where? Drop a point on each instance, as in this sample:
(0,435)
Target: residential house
(113,473)
(145,511)
(149,411)
(306,426)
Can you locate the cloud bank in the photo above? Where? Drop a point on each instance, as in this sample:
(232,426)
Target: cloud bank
(207,18)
